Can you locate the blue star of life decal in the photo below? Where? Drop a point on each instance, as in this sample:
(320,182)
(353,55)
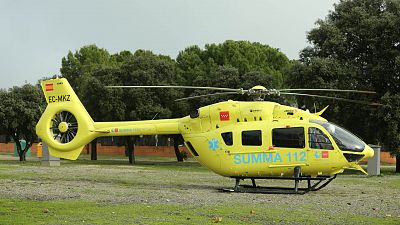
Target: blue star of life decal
(213,144)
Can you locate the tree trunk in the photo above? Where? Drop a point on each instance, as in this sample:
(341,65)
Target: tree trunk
(20,152)
(178,154)
(22,157)
(28,145)
(93,152)
(397,163)
(131,150)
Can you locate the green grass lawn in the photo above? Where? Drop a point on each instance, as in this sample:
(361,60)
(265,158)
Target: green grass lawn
(158,190)
(81,212)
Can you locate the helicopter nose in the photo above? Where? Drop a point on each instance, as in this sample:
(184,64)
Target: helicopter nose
(368,152)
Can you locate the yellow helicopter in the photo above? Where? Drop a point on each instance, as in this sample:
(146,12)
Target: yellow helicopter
(242,140)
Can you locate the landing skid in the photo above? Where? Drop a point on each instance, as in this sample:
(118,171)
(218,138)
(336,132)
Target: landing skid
(319,183)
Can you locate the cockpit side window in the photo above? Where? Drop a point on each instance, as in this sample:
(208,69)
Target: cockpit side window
(251,138)
(228,138)
(318,140)
(292,137)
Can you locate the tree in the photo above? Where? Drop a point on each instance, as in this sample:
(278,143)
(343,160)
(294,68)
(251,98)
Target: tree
(233,64)
(102,103)
(84,62)
(391,116)
(146,68)
(221,76)
(20,109)
(357,47)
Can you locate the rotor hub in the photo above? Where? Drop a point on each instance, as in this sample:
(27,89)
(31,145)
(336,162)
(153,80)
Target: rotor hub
(258,88)
(63,127)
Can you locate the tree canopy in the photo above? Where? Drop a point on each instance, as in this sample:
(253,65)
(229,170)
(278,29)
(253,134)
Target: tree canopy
(243,55)
(233,64)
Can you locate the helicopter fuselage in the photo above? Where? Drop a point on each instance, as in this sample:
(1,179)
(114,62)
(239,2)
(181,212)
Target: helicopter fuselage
(263,139)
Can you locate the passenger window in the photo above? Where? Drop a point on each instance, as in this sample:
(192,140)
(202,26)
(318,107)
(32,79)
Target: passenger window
(288,137)
(228,138)
(251,137)
(318,140)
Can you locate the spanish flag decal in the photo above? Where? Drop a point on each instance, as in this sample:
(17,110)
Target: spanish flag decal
(49,87)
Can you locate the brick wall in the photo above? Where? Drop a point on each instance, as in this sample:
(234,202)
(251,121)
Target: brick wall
(10,147)
(139,150)
(387,158)
(115,150)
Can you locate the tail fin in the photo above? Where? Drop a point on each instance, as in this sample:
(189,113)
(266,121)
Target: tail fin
(65,126)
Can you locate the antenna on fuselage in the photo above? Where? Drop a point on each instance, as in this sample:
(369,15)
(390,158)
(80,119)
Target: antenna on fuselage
(315,108)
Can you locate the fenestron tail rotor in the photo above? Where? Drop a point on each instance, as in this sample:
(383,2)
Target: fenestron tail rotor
(64,127)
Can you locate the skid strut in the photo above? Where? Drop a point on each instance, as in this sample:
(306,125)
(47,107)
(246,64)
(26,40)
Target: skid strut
(318,183)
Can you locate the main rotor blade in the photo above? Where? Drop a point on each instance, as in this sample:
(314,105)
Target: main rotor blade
(335,98)
(240,90)
(206,95)
(328,90)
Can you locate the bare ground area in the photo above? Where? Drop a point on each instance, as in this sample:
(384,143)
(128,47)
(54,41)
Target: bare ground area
(351,198)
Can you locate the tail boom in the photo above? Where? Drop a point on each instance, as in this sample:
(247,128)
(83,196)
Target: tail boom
(132,128)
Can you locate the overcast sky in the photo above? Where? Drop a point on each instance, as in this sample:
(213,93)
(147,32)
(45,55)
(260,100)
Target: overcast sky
(35,35)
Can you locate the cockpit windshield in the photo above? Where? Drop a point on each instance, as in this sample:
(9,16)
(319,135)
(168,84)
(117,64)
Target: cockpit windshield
(345,140)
